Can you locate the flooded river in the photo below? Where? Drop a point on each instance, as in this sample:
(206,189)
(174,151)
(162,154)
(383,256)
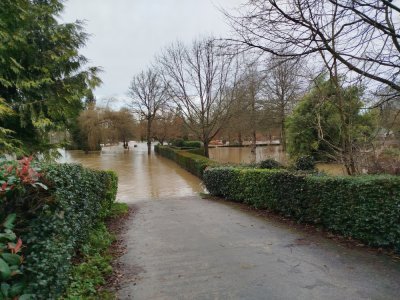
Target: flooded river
(154,177)
(140,176)
(244,155)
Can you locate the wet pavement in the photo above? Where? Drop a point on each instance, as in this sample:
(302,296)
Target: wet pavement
(192,248)
(180,246)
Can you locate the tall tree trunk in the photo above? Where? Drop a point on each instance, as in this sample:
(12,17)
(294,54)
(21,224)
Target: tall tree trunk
(346,140)
(283,134)
(253,121)
(240,138)
(253,141)
(148,136)
(206,152)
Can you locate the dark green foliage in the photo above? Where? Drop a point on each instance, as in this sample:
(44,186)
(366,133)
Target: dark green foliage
(198,151)
(88,275)
(363,207)
(11,270)
(178,142)
(192,144)
(186,144)
(318,124)
(270,164)
(95,264)
(118,209)
(76,200)
(110,180)
(195,164)
(305,163)
(43,78)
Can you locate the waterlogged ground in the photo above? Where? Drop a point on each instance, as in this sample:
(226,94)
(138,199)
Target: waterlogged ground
(180,246)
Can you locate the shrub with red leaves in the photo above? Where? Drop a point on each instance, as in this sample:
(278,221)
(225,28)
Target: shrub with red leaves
(17,174)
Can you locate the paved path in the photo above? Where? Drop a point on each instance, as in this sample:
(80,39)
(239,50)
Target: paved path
(192,248)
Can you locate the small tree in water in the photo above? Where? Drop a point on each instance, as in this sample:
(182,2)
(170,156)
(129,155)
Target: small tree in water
(149,96)
(201,81)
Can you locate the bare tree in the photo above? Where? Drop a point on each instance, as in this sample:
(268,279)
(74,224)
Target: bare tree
(239,124)
(148,95)
(282,88)
(201,81)
(102,126)
(357,37)
(365,39)
(168,126)
(119,126)
(90,125)
(251,85)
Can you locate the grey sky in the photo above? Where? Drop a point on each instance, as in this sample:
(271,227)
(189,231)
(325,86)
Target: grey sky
(126,34)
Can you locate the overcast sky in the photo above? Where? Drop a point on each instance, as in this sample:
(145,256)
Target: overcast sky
(126,34)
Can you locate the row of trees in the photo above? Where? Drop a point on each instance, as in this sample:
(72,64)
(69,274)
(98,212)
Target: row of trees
(214,92)
(355,40)
(104,126)
(352,45)
(234,88)
(198,81)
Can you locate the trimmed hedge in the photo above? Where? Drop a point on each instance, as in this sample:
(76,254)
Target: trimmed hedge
(180,143)
(177,142)
(198,151)
(192,144)
(363,207)
(54,223)
(195,164)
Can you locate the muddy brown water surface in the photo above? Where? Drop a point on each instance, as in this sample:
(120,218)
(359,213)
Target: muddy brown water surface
(141,177)
(244,155)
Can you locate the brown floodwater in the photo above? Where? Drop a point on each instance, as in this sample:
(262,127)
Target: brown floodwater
(154,177)
(239,155)
(140,176)
(244,155)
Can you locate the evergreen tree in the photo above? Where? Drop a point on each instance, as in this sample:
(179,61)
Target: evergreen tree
(315,126)
(43,78)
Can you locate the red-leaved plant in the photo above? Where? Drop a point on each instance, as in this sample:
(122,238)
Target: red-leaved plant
(17,174)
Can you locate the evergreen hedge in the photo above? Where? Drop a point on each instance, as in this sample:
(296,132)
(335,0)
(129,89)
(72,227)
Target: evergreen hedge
(192,144)
(198,151)
(363,207)
(53,223)
(194,163)
(180,143)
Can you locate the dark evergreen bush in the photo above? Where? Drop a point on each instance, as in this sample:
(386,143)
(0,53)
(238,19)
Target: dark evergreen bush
(305,163)
(178,142)
(270,164)
(192,144)
(198,151)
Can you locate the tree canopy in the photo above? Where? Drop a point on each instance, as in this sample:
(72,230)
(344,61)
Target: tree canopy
(43,77)
(359,36)
(315,127)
